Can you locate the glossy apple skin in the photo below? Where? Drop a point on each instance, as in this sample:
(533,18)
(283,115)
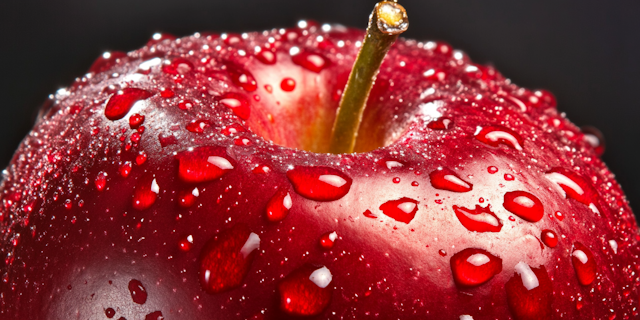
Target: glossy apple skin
(73,241)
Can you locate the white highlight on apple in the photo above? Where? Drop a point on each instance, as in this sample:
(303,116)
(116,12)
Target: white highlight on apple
(220,162)
(560,179)
(456,180)
(195,192)
(286,202)
(333,180)
(466,317)
(482,217)
(614,245)
(478,259)
(393,164)
(529,279)
(321,277)
(252,243)
(430,109)
(497,135)
(155,188)
(407,207)
(581,256)
(524,201)
(333,236)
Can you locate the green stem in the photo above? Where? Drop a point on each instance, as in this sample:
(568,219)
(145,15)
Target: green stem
(387,21)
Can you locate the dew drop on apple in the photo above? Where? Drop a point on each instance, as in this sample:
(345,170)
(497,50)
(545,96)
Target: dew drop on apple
(594,138)
(509,177)
(328,240)
(109,312)
(101,181)
(187,198)
(496,135)
(186,243)
(311,61)
(473,267)
(119,104)
(156,315)
(236,103)
(146,193)
(529,293)
(135,121)
(480,219)
(266,56)
(243,79)
(549,238)
(141,158)
(442,123)
(178,66)
(367,213)
(226,259)
(402,210)
(138,291)
(197,126)
(492,169)
(125,169)
(279,206)
(571,185)
(106,61)
(185,104)
(584,264)
(203,164)
(524,204)
(446,179)
(233,129)
(288,84)
(319,183)
(306,291)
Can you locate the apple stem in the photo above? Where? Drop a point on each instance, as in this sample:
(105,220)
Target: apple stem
(387,21)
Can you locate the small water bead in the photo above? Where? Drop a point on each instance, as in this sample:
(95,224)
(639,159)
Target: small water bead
(279,206)
(549,238)
(288,84)
(135,121)
(101,181)
(524,204)
(185,104)
(226,258)
(529,293)
(396,180)
(156,315)
(137,291)
(186,243)
(595,138)
(305,291)
(203,164)
(584,264)
(167,93)
(442,253)
(233,129)
(559,215)
(160,37)
(243,79)
(120,103)
(187,198)
(198,126)
(106,61)
(261,169)
(509,177)
(496,135)
(178,66)
(402,210)
(242,141)
(328,240)
(473,267)
(266,56)
(310,61)
(319,183)
(446,179)
(125,169)
(369,215)
(492,169)
(109,312)
(415,183)
(237,103)
(442,123)
(145,193)
(479,219)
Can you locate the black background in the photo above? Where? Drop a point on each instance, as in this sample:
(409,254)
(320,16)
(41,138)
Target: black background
(584,51)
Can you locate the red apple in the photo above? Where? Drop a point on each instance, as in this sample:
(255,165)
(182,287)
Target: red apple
(188,180)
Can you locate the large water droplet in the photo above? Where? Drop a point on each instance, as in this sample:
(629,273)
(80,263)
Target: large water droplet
(203,164)
(226,258)
(319,183)
(156,315)
(288,84)
(495,135)
(549,238)
(120,103)
(446,179)
(473,267)
(524,205)
(584,264)
(402,210)
(279,205)
(138,291)
(243,79)
(529,293)
(305,291)
(479,219)
(310,61)
(237,103)
(571,185)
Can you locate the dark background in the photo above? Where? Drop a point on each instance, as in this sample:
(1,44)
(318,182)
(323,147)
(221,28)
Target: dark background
(584,51)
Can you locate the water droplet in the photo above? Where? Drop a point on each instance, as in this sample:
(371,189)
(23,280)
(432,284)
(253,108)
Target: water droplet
(237,103)
(106,61)
(159,37)
(305,291)
(138,291)
(446,179)
(479,219)
(401,210)
(146,193)
(266,56)
(243,79)
(524,205)
(594,138)
(185,104)
(415,183)
(370,215)
(125,169)
(187,198)
(119,104)
(442,123)
(136,120)
(226,258)
(186,243)
(156,315)
(473,267)
(178,66)
(319,183)
(442,253)
(559,215)
(509,177)
(233,129)
(584,264)
(101,180)
(495,135)
(197,126)
(109,312)
(288,84)
(310,61)
(203,164)
(261,169)
(327,240)
(396,180)
(529,293)
(167,93)
(492,169)
(549,238)
(571,185)
(279,205)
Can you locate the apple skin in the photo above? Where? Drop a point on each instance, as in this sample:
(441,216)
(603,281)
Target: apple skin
(92,202)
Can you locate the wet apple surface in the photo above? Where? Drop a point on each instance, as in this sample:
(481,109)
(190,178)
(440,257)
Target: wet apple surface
(188,180)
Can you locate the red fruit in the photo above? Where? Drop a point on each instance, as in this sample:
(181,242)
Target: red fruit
(227,205)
